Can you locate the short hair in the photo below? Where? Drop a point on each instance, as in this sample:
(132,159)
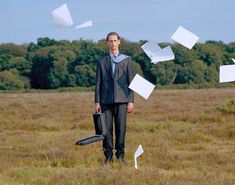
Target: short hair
(113,33)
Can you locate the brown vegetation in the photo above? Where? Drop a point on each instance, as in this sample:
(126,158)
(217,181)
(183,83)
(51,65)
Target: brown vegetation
(186,139)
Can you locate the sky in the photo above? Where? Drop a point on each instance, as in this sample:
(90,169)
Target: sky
(24,21)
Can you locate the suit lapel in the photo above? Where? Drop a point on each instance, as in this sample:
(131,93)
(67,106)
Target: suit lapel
(117,66)
(116,70)
(109,66)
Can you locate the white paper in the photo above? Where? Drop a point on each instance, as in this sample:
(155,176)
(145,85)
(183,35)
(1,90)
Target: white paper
(233,60)
(185,37)
(227,73)
(141,86)
(62,16)
(138,152)
(84,25)
(157,54)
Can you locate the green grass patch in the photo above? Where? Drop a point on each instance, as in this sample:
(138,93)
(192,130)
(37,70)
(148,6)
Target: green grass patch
(228,106)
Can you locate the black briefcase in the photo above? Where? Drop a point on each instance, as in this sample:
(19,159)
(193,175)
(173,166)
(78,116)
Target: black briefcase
(100,124)
(101,130)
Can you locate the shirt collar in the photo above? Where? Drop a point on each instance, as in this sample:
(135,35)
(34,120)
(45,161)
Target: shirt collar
(114,56)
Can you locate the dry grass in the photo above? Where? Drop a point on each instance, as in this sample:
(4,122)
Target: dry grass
(187,140)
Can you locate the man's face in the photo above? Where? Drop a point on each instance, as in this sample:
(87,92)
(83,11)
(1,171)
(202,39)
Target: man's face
(113,42)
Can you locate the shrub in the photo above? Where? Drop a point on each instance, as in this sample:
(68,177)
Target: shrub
(11,81)
(228,106)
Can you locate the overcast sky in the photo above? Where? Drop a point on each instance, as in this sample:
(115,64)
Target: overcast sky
(23,21)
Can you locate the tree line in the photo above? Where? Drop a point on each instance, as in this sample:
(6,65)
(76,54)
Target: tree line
(51,64)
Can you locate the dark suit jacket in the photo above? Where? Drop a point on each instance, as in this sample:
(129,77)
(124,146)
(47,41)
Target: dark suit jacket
(113,88)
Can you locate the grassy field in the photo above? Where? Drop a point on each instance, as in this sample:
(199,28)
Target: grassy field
(186,139)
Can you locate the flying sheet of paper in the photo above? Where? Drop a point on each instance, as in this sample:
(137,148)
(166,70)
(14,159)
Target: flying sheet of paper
(233,60)
(62,16)
(84,25)
(141,86)
(157,54)
(138,152)
(185,37)
(227,73)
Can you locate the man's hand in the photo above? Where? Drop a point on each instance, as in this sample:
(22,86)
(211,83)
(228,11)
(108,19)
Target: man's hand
(97,107)
(130,107)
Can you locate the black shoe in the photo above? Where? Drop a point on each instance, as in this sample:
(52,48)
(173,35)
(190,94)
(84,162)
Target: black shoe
(108,161)
(122,161)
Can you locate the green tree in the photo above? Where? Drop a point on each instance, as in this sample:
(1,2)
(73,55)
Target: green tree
(22,65)
(164,72)
(41,66)
(183,55)
(130,48)
(58,71)
(51,64)
(10,80)
(85,75)
(137,68)
(211,54)
(50,67)
(13,49)
(88,53)
(211,75)
(45,41)
(4,61)
(32,47)
(71,80)
(146,65)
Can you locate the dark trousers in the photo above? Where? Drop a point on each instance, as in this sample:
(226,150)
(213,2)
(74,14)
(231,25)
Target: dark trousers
(116,112)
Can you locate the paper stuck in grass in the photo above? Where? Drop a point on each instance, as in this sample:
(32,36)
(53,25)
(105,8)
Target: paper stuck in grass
(138,152)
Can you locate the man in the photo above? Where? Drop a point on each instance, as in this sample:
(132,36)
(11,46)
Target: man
(113,97)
